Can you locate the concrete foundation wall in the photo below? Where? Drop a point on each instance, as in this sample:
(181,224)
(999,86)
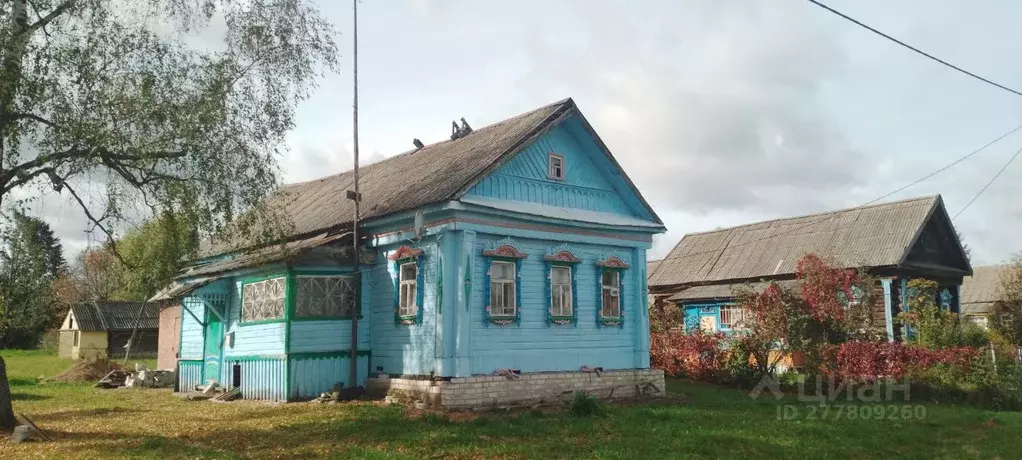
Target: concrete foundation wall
(529,389)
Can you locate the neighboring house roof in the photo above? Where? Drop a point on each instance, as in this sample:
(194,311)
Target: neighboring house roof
(981,290)
(725,291)
(115,316)
(876,235)
(651,266)
(432,174)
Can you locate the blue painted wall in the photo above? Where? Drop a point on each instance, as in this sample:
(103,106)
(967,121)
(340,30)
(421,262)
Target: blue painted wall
(591,182)
(398,348)
(254,339)
(534,345)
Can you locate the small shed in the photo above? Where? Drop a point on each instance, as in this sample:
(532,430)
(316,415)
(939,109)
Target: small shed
(104,328)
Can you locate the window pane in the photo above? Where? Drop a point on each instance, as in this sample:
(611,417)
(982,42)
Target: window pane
(610,278)
(408,272)
(502,271)
(320,296)
(560,275)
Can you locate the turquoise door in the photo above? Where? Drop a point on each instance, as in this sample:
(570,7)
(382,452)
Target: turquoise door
(212,349)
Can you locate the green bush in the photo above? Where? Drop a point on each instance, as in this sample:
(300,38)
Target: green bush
(584,404)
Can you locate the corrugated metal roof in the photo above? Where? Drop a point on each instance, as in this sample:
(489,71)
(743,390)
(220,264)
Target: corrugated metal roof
(874,235)
(981,290)
(725,291)
(110,315)
(432,174)
(651,266)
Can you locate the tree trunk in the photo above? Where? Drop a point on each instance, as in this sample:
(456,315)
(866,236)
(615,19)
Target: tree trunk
(7,422)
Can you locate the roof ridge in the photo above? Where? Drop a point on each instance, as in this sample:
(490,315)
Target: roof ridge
(822,213)
(427,146)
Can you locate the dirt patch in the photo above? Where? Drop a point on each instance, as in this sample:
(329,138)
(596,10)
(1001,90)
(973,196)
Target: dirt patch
(87,370)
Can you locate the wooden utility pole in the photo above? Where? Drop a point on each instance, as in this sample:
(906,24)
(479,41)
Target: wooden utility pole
(357,197)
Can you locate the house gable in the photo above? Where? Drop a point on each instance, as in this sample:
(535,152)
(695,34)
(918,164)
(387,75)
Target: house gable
(937,245)
(592,180)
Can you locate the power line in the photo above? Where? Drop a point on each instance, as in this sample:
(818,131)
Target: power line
(985,187)
(966,157)
(917,50)
(838,213)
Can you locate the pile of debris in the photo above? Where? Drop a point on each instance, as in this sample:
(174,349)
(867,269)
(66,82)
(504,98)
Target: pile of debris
(141,378)
(214,392)
(87,370)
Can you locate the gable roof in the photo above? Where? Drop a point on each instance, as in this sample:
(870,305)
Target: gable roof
(875,235)
(107,315)
(432,174)
(981,290)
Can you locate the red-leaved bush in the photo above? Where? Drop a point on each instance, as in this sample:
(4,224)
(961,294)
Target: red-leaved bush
(698,355)
(822,285)
(872,361)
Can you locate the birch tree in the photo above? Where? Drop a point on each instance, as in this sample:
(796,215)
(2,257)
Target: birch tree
(125,104)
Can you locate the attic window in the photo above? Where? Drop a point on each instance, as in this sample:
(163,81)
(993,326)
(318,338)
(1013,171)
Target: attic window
(555,166)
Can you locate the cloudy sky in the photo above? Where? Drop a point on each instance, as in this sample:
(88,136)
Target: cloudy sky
(722,112)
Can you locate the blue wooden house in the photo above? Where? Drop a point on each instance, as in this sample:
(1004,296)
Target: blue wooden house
(895,242)
(520,245)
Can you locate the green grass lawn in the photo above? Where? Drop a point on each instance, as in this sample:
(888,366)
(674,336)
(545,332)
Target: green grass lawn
(697,422)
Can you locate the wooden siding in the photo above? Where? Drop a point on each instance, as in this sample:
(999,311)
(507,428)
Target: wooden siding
(535,345)
(585,186)
(191,330)
(398,348)
(169,337)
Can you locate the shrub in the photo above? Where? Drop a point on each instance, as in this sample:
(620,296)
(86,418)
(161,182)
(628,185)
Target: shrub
(700,355)
(933,327)
(874,361)
(583,404)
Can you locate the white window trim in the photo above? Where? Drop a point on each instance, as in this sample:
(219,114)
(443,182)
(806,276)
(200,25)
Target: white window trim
(514,288)
(408,291)
(735,317)
(550,166)
(615,291)
(77,339)
(571,293)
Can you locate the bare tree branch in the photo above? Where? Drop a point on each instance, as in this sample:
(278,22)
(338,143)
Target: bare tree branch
(42,22)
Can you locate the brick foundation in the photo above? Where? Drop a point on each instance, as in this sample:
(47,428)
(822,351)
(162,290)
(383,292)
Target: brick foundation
(530,389)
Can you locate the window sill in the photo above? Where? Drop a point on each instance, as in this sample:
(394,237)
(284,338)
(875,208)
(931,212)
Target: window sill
(611,321)
(407,320)
(262,321)
(503,320)
(562,320)
(323,318)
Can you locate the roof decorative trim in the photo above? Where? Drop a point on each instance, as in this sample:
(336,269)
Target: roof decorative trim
(612,262)
(562,256)
(505,250)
